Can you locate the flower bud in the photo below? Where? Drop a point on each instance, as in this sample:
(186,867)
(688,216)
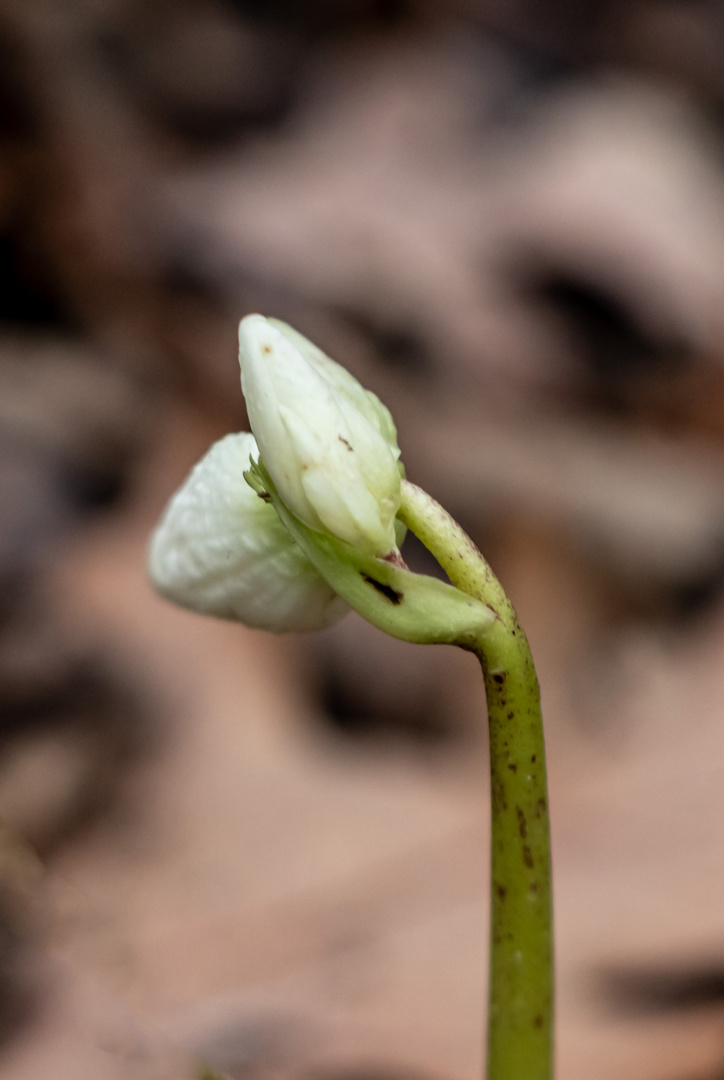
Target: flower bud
(328,444)
(221,550)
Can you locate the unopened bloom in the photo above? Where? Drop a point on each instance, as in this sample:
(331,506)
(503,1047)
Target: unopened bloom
(285,530)
(221,550)
(328,444)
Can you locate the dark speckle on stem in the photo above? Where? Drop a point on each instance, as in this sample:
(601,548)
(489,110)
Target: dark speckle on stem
(520,851)
(498,799)
(346,443)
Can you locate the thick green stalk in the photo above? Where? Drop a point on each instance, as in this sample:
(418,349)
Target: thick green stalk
(520,1019)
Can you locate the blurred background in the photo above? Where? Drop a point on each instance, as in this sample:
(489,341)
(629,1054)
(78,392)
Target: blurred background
(267,857)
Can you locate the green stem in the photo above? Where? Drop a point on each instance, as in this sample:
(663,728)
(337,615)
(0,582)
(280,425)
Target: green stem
(520,1017)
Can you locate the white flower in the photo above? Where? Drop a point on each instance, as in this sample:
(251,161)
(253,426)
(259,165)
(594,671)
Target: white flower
(328,444)
(221,550)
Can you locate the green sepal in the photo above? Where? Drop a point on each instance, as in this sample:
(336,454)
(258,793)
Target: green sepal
(408,606)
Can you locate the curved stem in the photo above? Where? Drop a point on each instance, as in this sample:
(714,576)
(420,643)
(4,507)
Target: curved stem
(520,1017)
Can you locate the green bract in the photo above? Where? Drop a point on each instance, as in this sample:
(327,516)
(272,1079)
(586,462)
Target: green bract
(412,607)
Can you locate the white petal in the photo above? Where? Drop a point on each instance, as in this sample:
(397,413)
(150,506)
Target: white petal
(335,486)
(273,372)
(221,550)
(328,444)
(344,384)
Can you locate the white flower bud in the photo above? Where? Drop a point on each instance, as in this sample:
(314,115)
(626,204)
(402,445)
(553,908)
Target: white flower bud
(220,550)
(328,444)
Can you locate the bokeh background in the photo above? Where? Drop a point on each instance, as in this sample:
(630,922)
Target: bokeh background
(268,856)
